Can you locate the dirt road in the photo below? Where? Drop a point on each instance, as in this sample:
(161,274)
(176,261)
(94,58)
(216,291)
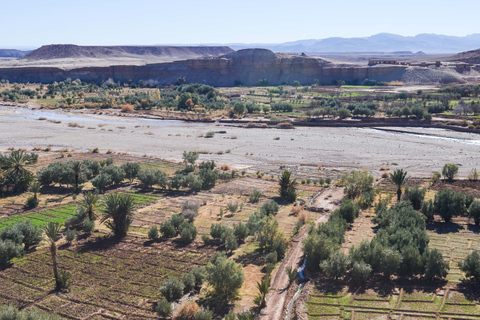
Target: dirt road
(329,200)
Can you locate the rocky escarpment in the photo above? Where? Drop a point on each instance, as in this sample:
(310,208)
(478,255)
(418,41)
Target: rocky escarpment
(65,51)
(244,66)
(467,57)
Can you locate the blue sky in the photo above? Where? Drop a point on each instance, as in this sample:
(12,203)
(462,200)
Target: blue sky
(148,22)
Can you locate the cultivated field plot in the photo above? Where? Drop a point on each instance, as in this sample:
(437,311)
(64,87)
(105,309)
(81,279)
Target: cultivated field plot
(393,303)
(60,213)
(111,280)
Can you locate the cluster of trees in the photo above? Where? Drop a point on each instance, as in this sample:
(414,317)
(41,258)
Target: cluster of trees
(418,111)
(177,225)
(195,180)
(16,171)
(17,239)
(13,313)
(359,187)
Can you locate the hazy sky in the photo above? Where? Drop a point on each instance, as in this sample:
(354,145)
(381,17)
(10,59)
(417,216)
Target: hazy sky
(144,22)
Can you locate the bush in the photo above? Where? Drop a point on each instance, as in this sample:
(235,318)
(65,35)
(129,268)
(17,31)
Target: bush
(149,178)
(449,171)
(435,266)
(164,308)
(271,258)
(240,231)
(70,235)
(336,266)
(270,208)
(32,235)
(205,238)
(318,247)
(189,233)
(190,210)
(210,134)
(131,170)
(199,274)
(64,280)
(188,281)
(255,196)
(101,182)
(449,204)
(32,202)
(88,226)
(390,261)
(9,250)
(415,196)
(224,275)
(12,313)
(471,266)
(172,289)
(153,233)
(177,220)
(348,211)
(167,229)
(428,210)
(230,240)
(232,207)
(217,230)
(203,314)
(361,272)
(474,212)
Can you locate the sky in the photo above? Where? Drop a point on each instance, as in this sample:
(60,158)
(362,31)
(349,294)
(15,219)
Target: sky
(33,23)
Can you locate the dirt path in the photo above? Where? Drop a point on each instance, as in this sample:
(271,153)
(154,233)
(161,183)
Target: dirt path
(276,299)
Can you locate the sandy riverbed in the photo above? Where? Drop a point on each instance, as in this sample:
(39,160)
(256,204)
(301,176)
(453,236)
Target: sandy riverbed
(420,151)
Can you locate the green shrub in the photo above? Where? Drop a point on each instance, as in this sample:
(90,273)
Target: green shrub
(153,233)
(230,240)
(12,313)
(348,211)
(428,210)
(210,134)
(415,196)
(270,208)
(474,212)
(199,274)
(70,235)
(131,170)
(336,265)
(88,226)
(167,229)
(189,233)
(272,258)
(225,276)
(449,171)
(101,182)
(390,262)
(471,266)
(205,238)
(449,204)
(361,272)
(435,266)
(203,314)
(172,289)
(116,174)
(188,281)
(177,220)
(9,250)
(32,202)
(32,235)
(255,196)
(217,230)
(164,308)
(64,280)
(240,231)
(149,178)
(232,207)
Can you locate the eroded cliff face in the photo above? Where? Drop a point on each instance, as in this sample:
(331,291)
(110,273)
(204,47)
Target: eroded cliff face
(247,66)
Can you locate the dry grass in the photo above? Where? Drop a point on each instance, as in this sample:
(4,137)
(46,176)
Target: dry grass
(127,108)
(225,167)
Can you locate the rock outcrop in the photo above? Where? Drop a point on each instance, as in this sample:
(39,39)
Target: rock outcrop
(467,57)
(244,66)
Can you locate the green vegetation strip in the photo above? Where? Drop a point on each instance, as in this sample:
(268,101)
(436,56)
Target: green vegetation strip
(62,212)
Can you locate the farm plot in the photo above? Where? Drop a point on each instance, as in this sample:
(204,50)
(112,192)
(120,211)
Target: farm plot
(111,280)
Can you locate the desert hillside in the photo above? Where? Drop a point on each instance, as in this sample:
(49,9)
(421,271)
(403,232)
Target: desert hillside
(468,56)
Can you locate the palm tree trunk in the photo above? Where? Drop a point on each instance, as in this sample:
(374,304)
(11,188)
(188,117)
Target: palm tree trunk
(53,252)
(399,194)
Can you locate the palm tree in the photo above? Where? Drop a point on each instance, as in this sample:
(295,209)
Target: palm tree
(89,203)
(292,274)
(263,289)
(78,168)
(18,168)
(51,231)
(35,189)
(399,178)
(287,186)
(247,315)
(119,207)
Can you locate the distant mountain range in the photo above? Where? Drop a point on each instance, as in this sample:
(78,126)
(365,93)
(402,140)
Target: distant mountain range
(12,53)
(382,42)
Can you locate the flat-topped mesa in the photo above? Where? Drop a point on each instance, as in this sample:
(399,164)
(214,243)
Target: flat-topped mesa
(65,51)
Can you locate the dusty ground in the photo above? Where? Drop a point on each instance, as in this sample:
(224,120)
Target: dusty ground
(301,148)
